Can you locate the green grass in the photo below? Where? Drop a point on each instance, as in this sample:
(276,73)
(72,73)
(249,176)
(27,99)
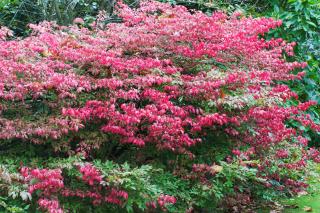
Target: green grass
(310,200)
(299,203)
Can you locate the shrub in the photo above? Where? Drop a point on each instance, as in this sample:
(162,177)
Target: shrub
(170,110)
(300,24)
(17,14)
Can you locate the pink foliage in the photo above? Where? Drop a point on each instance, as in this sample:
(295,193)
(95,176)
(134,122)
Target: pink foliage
(52,206)
(48,181)
(50,61)
(90,174)
(49,184)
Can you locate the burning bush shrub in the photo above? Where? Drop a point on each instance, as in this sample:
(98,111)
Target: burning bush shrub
(194,103)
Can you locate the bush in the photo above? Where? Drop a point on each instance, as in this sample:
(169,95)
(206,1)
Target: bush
(300,24)
(169,110)
(17,14)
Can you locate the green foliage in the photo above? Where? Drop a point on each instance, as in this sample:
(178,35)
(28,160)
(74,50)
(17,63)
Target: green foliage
(301,21)
(17,14)
(144,183)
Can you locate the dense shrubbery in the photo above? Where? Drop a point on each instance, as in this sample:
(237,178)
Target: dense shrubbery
(17,14)
(301,20)
(169,110)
